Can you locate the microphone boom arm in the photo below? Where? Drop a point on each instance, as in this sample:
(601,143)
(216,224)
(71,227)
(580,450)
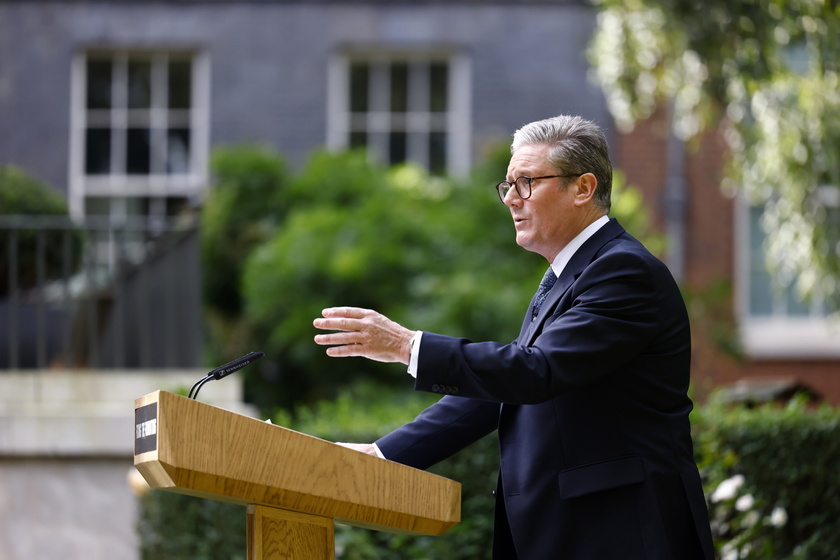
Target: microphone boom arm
(224,371)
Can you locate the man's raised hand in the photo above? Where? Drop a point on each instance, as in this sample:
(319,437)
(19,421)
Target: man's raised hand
(365,333)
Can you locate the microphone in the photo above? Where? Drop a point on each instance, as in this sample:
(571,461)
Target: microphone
(224,371)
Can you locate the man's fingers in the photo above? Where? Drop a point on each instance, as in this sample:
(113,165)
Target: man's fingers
(346,351)
(338,324)
(342,319)
(362,332)
(345,337)
(363,447)
(351,312)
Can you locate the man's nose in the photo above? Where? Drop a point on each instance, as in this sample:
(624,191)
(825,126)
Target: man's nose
(512,198)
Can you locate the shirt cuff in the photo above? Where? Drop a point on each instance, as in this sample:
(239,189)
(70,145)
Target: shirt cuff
(414,349)
(378,452)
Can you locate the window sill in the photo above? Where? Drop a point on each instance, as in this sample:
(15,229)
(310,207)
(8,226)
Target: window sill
(788,338)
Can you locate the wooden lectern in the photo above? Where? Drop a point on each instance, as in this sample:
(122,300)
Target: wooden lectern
(294,485)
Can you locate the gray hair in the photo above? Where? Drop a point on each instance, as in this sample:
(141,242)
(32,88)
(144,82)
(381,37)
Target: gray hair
(576,145)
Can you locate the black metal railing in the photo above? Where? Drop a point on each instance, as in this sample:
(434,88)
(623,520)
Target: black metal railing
(98,293)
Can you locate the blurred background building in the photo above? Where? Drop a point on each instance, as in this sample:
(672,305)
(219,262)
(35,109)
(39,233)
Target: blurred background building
(117,106)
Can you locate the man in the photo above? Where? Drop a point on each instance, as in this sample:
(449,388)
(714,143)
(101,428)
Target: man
(590,401)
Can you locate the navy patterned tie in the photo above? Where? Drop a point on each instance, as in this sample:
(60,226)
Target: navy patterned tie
(545,286)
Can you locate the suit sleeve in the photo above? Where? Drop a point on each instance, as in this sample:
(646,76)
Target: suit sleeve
(440,431)
(609,315)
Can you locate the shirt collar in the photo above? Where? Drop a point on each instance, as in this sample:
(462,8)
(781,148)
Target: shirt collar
(564,256)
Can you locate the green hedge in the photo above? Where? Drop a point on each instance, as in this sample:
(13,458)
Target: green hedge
(174,527)
(772,479)
(770,473)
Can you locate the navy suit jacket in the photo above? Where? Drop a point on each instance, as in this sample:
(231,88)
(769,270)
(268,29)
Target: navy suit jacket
(591,407)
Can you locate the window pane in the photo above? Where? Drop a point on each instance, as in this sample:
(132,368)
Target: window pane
(178,151)
(139,84)
(175,205)
(137,205)
(97,151)
(437,153)
(358,140)
(399,87)
(832,228)
(359,80)
(766,296)
(761,295)
(137,158)
(396,147)
(99,75)
(97,205)
(794,305)
(389,115)
(439,84)
(180,84)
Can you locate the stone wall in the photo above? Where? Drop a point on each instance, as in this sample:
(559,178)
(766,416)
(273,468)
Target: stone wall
(66,459)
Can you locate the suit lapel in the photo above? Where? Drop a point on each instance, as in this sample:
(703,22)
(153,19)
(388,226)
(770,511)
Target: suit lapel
(580,260)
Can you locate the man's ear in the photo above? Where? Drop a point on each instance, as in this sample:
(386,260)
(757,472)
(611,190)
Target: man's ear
(585,188)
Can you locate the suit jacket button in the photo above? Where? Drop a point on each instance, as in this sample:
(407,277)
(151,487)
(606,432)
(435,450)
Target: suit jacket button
(436,388)
(454,389)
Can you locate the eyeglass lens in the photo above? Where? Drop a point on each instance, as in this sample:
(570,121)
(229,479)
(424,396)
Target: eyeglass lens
(522,184)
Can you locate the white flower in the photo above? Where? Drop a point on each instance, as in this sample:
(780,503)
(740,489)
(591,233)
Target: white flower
(778,517)
(728,488)
(751,519)
(745,503)
(729,552)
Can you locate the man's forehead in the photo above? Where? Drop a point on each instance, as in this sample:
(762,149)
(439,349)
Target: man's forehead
(528,156)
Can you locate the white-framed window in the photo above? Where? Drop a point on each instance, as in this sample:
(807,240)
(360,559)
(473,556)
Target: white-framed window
(402,106)
(774,320)
(139,131)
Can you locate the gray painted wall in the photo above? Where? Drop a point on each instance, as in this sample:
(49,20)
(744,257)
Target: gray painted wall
(269,64)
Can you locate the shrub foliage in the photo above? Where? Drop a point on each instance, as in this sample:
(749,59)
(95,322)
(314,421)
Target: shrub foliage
(772,479)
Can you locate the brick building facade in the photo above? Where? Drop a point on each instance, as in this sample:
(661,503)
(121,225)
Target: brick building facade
(712,274)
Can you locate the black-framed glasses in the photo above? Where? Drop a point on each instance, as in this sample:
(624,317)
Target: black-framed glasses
(523,185)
